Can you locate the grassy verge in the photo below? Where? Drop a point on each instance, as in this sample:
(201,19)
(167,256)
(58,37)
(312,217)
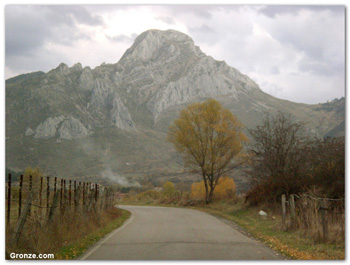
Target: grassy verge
(291,243)
(76,249)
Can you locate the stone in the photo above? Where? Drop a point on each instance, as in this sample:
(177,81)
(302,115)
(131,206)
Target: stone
(29,132)
(72,128)
(106,99)
(86,79)
(48,128)
(263,214)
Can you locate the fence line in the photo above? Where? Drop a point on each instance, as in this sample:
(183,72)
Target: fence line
(33,197)
(320,210)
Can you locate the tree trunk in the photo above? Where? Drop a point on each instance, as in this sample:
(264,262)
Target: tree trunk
(207,199)
(206,188)
(211,192)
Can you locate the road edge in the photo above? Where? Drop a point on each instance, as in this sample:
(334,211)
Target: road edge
(94,247)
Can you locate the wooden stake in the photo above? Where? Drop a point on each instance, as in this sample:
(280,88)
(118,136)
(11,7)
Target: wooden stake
(20,196)
(292,209)
(48,194)
(30,189)
(61,193)
(30,182)
(323,210)
(75,193)
(83,194)
(40,191)
(70,192)
(96,192)
(55,184)
(284,210)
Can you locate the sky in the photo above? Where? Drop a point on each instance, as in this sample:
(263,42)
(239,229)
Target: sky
(292,52)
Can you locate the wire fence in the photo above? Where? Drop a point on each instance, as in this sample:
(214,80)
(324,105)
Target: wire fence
(322,217)
(42,198)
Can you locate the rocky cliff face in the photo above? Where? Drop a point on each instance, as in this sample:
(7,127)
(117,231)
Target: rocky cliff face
(62,127)
(124,109)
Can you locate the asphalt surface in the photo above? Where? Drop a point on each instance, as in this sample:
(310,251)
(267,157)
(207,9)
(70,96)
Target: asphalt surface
(162,233)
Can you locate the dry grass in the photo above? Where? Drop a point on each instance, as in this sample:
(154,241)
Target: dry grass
(41,238)
(309,220)
(296,242)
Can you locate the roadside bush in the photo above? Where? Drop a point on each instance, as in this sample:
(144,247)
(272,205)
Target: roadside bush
(225,189)
(278,157)
(327,167)
(148,195)
(168,189)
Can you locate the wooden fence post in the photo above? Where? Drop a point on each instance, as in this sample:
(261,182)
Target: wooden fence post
(64,194)
(8,199)
(48,194)
(96,192)
(75,194)
(40,191)
(20,196)
(323,210)
(22,218)
(284,210)
(83,194)
(30,190)
(102,199)
(30,183)
(292,209)
(70,192)
(80,186)
(54,187)
(61,193)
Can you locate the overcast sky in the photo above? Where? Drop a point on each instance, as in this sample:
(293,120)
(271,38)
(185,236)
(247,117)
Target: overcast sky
(292,52)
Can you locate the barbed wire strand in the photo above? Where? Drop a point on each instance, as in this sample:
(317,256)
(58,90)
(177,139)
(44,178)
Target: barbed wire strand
(318,198)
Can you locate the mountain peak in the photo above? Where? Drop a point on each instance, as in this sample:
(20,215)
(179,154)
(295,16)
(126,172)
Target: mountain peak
(153,44)
(169,34)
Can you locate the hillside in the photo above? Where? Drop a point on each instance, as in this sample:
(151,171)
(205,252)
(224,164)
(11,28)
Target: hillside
(111,122)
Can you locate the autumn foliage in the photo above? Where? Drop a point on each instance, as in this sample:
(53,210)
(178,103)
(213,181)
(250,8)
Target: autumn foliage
(210,138)
(225,189)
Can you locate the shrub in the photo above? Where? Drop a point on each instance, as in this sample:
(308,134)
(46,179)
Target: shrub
(225,189)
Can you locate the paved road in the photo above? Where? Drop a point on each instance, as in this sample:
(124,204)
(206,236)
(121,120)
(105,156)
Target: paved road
(160,233)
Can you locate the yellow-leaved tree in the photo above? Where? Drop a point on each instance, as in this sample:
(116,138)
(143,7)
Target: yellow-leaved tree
(168,189)
(210,138)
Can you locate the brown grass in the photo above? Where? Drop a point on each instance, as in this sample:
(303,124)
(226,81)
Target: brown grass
(41,238)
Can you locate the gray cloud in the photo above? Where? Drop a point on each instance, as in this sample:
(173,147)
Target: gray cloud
(24,32)
(205,34)
(167,19)
(318,36)
(274,10)
(324,68)
(74,14)
(202,11)
(27,28)
(122,38)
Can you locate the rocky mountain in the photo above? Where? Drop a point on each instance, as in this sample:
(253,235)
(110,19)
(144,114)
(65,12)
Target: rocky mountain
(111,122)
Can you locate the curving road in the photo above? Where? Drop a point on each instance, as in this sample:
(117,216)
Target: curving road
(161,233)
